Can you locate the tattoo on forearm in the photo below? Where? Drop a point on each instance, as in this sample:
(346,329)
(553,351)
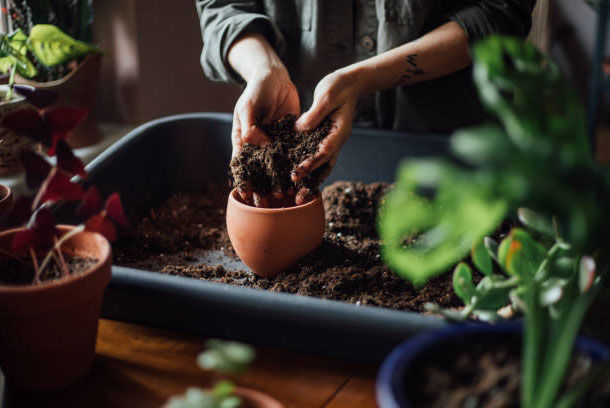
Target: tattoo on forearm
(412,69)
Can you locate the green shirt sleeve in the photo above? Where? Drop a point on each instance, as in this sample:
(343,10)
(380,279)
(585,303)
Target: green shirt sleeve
(222,22)
(482,18)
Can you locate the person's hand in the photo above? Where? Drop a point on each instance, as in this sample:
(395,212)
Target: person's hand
(268,96)
(335,96)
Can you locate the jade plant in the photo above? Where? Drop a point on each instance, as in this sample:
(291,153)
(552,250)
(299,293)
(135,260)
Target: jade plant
(533,161)
(223,356)
(49,125)
(46,43)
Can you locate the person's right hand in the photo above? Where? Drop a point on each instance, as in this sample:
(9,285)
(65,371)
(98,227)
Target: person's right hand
(268,96)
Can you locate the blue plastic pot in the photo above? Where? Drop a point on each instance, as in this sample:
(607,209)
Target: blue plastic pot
(391,377)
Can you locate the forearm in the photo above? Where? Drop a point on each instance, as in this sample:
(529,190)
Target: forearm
(436,54)
(252,56)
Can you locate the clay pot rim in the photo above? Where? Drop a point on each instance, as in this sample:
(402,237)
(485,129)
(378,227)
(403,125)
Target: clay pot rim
(273,211)
(106,252)
(16,99)
(5,193)
(258,397)
(87,60)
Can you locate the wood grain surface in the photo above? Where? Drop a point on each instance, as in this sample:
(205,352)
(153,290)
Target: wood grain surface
(138,366)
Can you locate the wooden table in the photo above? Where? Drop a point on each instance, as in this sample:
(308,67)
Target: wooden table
(138,366)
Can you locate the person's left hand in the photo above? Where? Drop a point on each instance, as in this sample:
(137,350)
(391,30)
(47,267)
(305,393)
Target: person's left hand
(335,96)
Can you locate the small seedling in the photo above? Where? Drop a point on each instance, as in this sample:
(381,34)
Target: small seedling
(49,125)
(223,356)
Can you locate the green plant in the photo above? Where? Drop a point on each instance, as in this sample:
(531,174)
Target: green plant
(536,156)
(74,17)
(47,43)
(223,356)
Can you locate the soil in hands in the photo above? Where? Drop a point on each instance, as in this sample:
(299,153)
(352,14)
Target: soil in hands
(346,267)
(484,375)
(265,170)
(15,271)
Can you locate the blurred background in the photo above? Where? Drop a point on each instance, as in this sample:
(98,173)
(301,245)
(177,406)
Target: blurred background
(151,66)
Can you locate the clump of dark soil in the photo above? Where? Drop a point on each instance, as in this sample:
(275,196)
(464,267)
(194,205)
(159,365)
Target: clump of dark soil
(15,271)
(267,169)
(483,375)
(346,267)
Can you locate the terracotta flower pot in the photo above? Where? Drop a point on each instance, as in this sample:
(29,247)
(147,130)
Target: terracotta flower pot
(48,331)
(78,88)
(252,399)
(269,240)
(256,399)
(6,199)
(11,143)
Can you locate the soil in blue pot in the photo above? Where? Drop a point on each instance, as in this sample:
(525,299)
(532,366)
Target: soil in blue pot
(482,375)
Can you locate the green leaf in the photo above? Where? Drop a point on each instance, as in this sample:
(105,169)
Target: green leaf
(226,356)
(538,108)
(536,221)
(230,402)
(433,215)
(524,254)
(193,398)
(462,283)
(551,291)
(559,350)
(490,294)
(503,251)
(18,41)
(563,267)
(483,145)
(492,247)
(6,64)
(223,389)
(53,47)
(17,48)
(481,258)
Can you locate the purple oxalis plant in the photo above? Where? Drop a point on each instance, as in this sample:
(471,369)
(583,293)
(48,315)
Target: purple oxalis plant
(49,125)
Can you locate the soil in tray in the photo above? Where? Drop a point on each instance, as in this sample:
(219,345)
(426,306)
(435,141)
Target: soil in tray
(21,272)
(485,375)
(189,228)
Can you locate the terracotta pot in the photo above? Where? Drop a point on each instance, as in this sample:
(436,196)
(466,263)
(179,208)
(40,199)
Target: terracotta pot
(78,88)
(252,399)
(256,399)
(269,240)
(6,199)
(11,143)
(48,334)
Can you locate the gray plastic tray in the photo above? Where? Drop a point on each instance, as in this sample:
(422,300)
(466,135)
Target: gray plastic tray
(179,154)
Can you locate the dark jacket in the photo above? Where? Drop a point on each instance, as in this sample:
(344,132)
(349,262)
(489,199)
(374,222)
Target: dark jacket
(316,37)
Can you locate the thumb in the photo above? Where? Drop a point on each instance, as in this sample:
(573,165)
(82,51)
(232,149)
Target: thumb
(320,109)
(327,150)
(250,132)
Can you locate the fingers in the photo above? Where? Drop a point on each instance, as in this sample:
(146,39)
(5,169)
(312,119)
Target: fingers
(320,109)
(304,196)
(250,132)
(260,200)
(236,140)
(328,149)
(290,105)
